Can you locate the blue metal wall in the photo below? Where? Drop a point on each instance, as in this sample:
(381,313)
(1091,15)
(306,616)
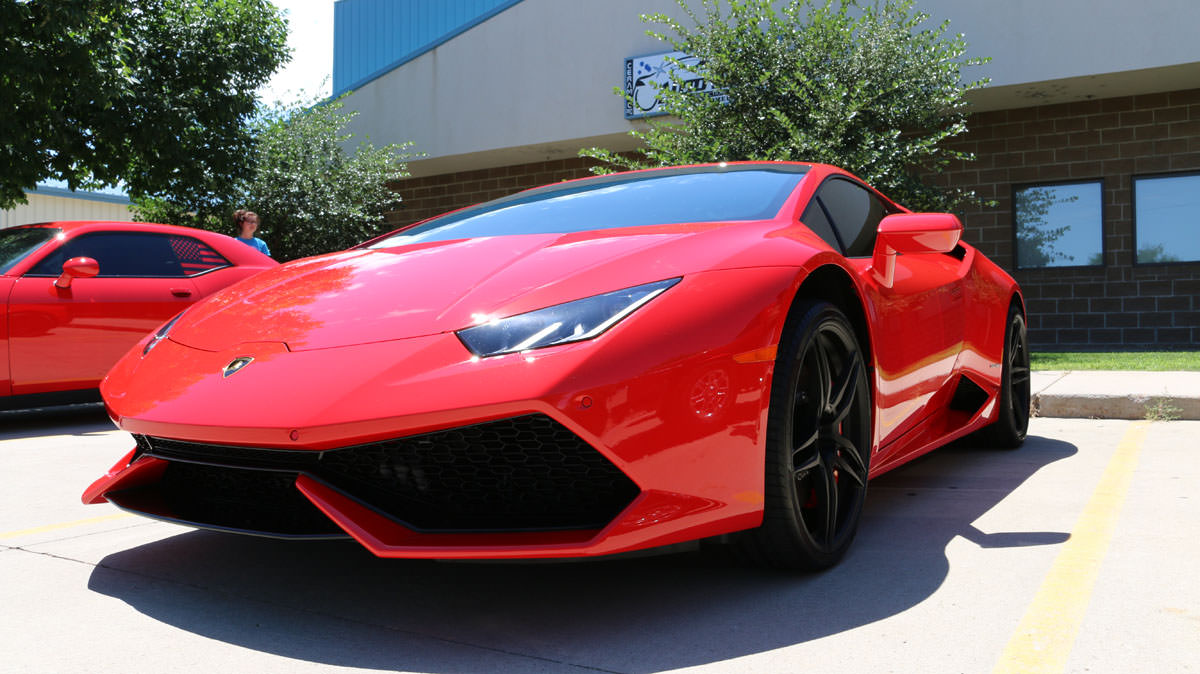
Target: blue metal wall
(371,37)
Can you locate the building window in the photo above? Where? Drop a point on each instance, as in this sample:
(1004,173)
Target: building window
(1166,218)
(1060,225)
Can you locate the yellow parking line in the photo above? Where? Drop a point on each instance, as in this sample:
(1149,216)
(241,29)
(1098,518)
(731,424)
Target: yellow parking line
(1044,639)
(62,525)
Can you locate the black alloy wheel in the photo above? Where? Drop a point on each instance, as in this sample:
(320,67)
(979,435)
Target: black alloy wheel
(1012,421)
(818,443)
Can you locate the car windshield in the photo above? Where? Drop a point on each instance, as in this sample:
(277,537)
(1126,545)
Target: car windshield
(669,196)
(17,243)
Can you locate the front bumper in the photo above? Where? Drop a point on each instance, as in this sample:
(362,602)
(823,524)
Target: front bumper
(662,420)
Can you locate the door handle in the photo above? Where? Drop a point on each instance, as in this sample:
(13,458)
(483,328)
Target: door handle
(181,292)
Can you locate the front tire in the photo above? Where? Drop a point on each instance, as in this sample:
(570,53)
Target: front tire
(818,443)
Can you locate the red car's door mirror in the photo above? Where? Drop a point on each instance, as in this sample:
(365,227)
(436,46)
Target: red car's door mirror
(912,233)
(77,267)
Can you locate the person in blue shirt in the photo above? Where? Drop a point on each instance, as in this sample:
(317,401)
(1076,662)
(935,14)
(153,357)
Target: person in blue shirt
(246,223)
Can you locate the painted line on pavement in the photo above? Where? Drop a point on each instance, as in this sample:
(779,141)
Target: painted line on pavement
(1043,640)
(62,525)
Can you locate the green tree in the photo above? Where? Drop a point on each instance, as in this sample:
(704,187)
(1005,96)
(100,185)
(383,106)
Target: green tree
(860,85)
(311,195)
(152,94)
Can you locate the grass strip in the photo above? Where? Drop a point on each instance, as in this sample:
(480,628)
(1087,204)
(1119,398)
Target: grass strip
(1148,361)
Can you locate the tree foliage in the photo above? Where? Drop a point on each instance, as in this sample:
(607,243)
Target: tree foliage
(1155,253)
(858,84)
(311,195)
(153,94)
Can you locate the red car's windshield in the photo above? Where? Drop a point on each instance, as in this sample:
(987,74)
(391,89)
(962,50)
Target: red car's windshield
(690,194)
(17,243)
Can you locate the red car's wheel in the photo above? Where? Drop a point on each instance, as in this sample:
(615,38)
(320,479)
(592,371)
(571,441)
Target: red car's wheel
(818,443)
(1008,432)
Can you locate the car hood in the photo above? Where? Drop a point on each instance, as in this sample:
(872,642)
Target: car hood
(362,296)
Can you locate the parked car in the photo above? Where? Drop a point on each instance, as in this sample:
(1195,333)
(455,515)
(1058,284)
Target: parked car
(77,295)
(590,367)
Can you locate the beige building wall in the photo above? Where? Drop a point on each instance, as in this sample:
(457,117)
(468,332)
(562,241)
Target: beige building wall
(48,208)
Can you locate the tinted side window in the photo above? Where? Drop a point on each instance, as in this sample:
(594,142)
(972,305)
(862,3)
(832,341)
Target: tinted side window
(855,212)
(16,244)
(195,256)
(814,218)
(119,254)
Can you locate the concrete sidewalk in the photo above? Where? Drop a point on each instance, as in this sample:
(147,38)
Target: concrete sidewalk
(1101,394)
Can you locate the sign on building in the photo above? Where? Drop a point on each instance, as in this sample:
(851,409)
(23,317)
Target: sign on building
(645,75)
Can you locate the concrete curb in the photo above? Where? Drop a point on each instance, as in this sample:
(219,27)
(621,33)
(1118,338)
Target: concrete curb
(1116,395)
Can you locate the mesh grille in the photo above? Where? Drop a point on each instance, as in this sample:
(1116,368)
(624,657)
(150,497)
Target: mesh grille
(519,474)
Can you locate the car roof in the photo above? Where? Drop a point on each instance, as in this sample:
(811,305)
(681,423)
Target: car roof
(120,225)
(75,227)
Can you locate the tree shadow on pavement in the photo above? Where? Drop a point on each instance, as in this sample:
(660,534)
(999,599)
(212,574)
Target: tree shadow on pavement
(334,603)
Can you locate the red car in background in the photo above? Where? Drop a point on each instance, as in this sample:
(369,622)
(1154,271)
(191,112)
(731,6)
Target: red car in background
(77,295)
(591,367)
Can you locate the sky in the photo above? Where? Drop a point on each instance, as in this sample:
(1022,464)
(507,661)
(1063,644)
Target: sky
(310,36)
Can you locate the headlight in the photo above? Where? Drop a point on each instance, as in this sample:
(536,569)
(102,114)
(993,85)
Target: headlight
(561,323)
(161,334)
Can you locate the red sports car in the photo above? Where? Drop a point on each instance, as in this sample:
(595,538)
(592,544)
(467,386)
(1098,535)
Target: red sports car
(77,295)
(590,367)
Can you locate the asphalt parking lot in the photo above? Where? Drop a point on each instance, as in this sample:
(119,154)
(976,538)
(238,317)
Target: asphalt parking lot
(1076,553)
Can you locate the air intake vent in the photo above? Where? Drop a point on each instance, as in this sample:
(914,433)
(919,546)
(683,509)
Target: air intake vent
(968,396)
(520,474)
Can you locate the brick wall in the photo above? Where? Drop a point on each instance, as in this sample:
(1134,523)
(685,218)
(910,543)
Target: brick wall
(1114,139)
(433,195)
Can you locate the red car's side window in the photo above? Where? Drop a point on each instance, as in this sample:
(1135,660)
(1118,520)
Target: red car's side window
(135,255)
(196,257)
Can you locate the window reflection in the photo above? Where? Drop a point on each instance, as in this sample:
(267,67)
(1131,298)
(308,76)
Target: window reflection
(1167,218)
(1059,225)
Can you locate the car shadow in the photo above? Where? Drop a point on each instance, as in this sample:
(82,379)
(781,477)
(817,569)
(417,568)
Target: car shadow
(334,603)
(81,419)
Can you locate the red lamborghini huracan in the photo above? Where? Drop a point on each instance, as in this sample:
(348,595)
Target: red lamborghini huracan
(590,367)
